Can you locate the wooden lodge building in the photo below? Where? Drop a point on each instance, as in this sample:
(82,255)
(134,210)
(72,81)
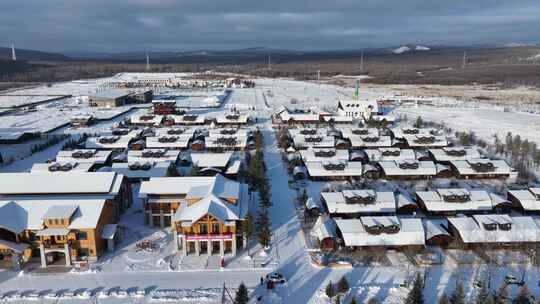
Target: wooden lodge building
(526,200)
(57,232)
(68,186)
(205,213)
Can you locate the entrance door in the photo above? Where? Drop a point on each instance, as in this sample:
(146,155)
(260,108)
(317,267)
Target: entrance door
(215,247)
(204,247)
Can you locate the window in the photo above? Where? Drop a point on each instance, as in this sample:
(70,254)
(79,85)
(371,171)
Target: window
(83,252)
(56,221)
(215,227)
(203,228)
(81,235)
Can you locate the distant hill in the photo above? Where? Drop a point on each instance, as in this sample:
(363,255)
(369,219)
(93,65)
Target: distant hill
(32,55)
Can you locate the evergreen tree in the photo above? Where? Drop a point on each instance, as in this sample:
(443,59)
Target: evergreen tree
(458,296)
(419,122)
(343,285)
(416,295)
(330,291)
(241,296)
(338,299)
(264,233)
(524,296)
(483,294)
(444,299)
(370,301)
(501,296)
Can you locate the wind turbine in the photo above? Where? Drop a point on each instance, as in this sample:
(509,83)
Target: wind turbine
(13,55)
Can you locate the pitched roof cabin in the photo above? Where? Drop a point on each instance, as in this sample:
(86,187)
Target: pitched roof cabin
(412,169)
(481,168)
(69,186)
(527,200)
(446,201)
(61,231)
(448,154)
(205,213)
(381,232)
(494,230)
(98,157)
(351,203)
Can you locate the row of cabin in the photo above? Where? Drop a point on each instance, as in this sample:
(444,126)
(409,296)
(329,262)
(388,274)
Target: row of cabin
(156,120)
(216,139)
(406,233)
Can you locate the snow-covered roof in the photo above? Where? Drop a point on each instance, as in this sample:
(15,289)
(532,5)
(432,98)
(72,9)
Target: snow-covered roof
(84,156)
(392,231)
(454,153)
(60,212)
(496,228)
(111,93)
(350,132)
(324,227)
(237,140)
(169,141)
(231,119)
(153,155)
(370,201)
(109,231)
(320,169)
(300,117)
(234,168)
(17,216)
(492,167)
(193,119)
(529,199)
(50,183)
(457,200)
(389,154)
(16,247)
(136,170)
(370,141)
(190,186)
(322,154)
(215,160)
(62,167)
(435,227)
(109,141)
(338,119)
(146,119)
(318,141)
(408,168)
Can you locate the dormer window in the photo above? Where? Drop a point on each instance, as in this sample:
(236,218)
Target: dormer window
(408,165)
(360,131)
(313,139)
(120,132)
(175,131)
(505,226)
(334,166)
(370,139)
(456,198)
(425,139)
(411,131)
(490,226)
(395,152)
(455,152)
(482,166)
(190,117)
(308,132)
(167,139)
(108,139)
(325,153)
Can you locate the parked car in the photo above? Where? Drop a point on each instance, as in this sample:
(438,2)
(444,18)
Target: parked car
(276,277)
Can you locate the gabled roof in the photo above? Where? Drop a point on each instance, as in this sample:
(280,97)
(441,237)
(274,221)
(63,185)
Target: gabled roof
(212,205)
(324,227)
(50,183)
(60,212)
(191,186)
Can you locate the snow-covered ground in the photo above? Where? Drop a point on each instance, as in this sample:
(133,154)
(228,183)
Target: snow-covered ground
(127,268)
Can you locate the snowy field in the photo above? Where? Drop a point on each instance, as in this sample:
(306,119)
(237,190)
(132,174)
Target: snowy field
(485,122)
(189,282)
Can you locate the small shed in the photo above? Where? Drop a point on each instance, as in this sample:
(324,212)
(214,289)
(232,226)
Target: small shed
(300,172)
(324,231)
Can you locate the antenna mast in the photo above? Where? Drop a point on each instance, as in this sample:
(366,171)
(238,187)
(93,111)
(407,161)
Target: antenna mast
(269,61)
(362,62)
(464,63)
(147,62)
(13,55)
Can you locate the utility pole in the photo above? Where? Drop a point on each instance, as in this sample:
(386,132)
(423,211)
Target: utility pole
(464,63)
(269,61)
(147,62)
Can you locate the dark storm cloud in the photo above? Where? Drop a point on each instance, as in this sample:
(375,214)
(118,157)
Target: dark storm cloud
(122,25)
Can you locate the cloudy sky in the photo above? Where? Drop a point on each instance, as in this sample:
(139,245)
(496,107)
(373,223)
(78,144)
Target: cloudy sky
(180,25)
